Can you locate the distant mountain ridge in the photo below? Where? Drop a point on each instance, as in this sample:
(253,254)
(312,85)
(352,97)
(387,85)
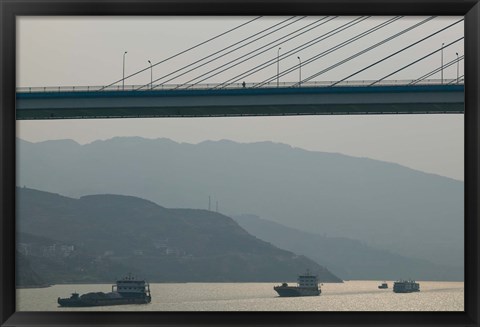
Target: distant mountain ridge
(388,206)
(349,259)
(98,238)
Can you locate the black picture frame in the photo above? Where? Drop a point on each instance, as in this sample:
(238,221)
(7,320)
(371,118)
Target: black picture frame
(10,9)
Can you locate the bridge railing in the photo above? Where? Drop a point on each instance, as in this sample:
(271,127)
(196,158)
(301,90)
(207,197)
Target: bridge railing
(53,89)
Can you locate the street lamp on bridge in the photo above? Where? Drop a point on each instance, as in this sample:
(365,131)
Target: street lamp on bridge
(123,78)
(457,65)
(151,75)
(442,62)
(299,72)
(278,64)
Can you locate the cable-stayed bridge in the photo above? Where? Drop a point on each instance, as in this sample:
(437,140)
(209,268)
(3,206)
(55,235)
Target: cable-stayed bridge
(214,85)
(382,99)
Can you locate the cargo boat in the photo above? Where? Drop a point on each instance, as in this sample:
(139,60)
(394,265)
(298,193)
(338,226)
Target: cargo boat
(383,285)
(307,286)
(126,291)
(406,286)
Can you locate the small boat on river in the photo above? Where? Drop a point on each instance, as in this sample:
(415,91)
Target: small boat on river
(383,285)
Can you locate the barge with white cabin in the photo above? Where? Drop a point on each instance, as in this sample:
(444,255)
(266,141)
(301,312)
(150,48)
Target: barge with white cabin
(126,291)
(307,285)
(406,286)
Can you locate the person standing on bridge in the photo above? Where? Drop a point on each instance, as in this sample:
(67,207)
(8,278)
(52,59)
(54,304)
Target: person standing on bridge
(243,84)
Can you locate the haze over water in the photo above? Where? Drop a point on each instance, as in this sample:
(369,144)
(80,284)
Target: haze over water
(349,296)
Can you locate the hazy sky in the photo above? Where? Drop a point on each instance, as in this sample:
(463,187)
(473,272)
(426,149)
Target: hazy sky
(56,51)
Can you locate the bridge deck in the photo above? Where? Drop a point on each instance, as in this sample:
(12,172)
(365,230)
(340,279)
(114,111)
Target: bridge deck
(340,100)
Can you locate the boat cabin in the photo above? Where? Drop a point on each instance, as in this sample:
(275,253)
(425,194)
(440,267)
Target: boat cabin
(131,286)
(307,280)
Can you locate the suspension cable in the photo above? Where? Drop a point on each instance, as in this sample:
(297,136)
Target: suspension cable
(335,48)
(436,70)
(265,64)
(235,50)
(184,51)
(226,48)
(367,49)
(253,51)
(414,62)
(456,80)
(395,53)
(305,45)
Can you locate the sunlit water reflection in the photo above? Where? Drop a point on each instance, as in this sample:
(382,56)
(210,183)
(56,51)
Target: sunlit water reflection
(349,296)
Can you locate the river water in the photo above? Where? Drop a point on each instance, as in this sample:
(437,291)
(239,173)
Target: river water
(349,296)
